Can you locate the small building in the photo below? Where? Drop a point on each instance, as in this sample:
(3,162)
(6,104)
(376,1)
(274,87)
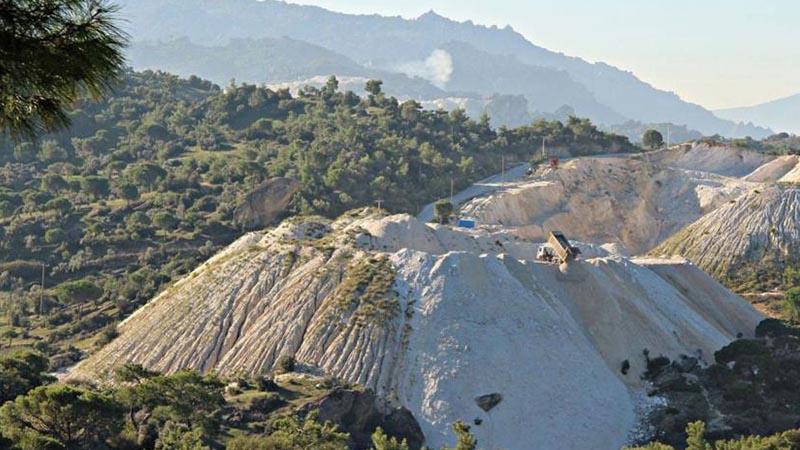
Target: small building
(466,223)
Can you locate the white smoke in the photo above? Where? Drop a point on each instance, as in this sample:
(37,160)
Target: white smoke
(436,68)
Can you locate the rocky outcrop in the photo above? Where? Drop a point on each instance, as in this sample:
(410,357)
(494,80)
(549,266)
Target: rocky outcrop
(360,412)
(758,232)
(265,203)
(433,317)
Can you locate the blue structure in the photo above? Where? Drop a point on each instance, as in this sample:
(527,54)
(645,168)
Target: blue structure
(466,223)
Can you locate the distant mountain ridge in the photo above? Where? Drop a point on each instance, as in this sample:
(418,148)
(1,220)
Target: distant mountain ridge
(265,60)
(781,115)
(391,44)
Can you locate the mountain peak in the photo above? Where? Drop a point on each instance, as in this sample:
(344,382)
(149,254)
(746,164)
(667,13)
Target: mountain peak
(432,15)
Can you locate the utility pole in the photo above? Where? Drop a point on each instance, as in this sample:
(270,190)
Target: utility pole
(503,168)
(669,129)
(452,186)
(41,294)
(544,151)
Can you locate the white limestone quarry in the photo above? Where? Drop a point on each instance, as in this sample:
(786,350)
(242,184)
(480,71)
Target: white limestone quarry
(465,313)
(631,203)
(792,176)
(760,229)
(718,159)
(783,169)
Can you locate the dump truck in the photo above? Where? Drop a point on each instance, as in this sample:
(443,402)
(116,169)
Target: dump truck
(558,249)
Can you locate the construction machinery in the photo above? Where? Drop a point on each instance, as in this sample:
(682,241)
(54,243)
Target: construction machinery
(558,249)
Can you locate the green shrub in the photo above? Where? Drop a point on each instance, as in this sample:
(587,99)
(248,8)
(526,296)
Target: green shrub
(285,363)
(792,299)
(775,328)
(443,209)
(165,220)
(54,236)
(108,334)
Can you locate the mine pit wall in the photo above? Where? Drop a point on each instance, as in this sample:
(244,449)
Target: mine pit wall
(551,341)
(631,202)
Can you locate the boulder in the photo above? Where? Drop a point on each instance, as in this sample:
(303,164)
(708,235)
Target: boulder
(489,401)
(265,203)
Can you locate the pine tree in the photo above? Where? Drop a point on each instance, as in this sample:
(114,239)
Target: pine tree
(695,439)
(51,52)
(380,441)
(465,439)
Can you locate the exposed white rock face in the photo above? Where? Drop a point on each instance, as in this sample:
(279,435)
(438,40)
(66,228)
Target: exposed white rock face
(433,317)
(629,202)
(785,169)
(717,159)
(762,227)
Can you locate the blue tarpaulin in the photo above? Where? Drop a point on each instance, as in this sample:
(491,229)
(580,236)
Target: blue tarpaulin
(466,223)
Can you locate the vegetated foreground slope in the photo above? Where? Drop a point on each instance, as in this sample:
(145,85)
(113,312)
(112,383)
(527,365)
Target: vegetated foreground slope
(432,317)
(635,203)
(748,241)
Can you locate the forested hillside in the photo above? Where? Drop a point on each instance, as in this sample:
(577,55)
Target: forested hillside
(145,184)
(602,92)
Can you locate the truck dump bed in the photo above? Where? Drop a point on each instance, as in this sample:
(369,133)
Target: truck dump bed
(565,251)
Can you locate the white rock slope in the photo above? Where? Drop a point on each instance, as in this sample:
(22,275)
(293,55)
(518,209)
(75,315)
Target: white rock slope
(630,202)
(434,317)
(720,159)
(783,169)
(759,231)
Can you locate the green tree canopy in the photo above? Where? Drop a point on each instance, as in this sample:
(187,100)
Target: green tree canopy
(695,440)
(94,185)
(793,303)
(293,434)
(144,174)
(62,205)
(464,439)
(373,87)
(180,437)
(53,182)
(443,209)
(183,398)
(54,236)
(9,334)
(165,220)
(380,441)
(78,291)
(50,52)
(20,372)
(60,416)
(128,191)
(652,139)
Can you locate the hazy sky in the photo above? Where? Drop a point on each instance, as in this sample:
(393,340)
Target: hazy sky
(719,53)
